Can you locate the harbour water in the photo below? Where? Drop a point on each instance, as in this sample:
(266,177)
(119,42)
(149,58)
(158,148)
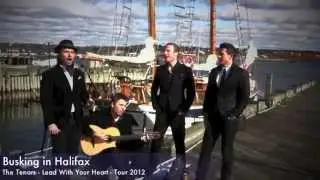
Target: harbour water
(285,73)
(22,126)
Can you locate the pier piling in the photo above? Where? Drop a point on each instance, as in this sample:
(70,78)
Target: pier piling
(268,92)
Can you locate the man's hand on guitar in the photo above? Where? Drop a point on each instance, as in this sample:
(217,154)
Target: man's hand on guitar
(53,129)
(102,136)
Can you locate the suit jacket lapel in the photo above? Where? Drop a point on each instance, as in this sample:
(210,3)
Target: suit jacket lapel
(214,77)
(76,75)
(229,74)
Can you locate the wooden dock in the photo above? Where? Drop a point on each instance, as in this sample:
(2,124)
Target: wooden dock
(283,143)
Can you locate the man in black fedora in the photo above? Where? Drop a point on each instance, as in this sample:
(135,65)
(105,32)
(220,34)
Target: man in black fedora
(63,95)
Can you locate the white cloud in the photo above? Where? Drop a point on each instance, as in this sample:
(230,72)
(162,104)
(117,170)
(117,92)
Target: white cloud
(274,23)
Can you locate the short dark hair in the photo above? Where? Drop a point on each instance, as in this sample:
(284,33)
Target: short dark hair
(118,96)
(175,46)
(229,47)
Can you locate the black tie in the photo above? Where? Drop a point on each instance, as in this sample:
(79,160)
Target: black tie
(223,76)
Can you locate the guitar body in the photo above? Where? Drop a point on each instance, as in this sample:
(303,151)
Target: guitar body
(93,145)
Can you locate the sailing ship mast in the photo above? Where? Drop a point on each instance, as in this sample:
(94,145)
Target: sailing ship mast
(152,18)
(152,27)
(213,32)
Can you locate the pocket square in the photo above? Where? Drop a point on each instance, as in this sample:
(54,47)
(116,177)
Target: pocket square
(79,77)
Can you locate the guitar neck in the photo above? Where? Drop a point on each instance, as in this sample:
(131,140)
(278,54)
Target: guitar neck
(127,137)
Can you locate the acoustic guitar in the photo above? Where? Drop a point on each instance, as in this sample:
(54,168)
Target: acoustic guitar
(93,145)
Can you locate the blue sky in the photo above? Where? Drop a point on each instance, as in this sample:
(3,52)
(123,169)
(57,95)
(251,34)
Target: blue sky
(283,24)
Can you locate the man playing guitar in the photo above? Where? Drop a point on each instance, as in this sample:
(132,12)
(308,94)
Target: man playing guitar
(109,134)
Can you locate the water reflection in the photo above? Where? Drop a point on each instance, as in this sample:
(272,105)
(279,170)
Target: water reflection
(21,126)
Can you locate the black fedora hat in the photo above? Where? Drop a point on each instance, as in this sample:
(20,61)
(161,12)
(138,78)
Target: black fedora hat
(65,44)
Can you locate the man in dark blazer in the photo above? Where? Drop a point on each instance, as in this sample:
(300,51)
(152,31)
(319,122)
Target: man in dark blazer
(63,95)
(226,97)
(115,116)
(122,157)
(172,91)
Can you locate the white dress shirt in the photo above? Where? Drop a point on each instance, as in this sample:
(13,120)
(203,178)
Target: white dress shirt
(116,119)
(70,80)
